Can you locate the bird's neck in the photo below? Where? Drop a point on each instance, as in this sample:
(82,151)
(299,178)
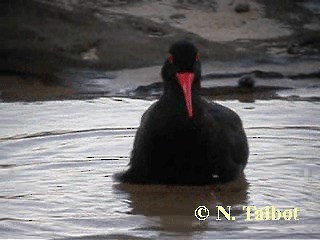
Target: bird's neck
(174,99)
(173,90)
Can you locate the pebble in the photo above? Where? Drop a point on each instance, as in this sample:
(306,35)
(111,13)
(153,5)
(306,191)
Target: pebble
(242,7)
(246,81)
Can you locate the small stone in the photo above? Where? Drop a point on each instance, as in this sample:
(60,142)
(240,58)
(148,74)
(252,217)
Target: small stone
(246,81)
(242,7)
(90,55)
(293,48)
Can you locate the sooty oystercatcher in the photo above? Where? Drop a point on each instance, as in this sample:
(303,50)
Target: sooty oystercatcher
(183,138)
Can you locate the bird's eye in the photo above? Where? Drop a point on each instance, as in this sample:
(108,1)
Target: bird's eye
(171,59)
(197,57)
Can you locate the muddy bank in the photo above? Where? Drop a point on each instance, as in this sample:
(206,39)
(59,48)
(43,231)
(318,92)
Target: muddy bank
(54,42)
(38,36)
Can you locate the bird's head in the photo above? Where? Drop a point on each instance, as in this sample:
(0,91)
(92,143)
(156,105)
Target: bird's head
(182,72)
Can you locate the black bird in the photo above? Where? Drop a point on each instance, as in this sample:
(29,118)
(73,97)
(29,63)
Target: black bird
(183,138)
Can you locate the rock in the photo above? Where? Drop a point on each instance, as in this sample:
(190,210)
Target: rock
(242,7)
(293,48)
(90,55)
(153,89)
(178,16)
(246,81)
(305,42)
(266,74)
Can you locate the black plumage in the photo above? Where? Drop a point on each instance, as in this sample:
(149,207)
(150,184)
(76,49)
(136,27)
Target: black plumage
(199,144)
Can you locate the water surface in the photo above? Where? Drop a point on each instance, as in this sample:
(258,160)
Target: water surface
(57,159)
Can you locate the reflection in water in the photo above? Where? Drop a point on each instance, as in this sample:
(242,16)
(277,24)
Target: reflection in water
(57,160)
(175,205)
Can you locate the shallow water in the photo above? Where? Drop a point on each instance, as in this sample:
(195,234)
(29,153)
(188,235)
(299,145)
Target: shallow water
(57,159)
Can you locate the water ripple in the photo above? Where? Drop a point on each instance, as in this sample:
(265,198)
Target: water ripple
(60,133)
(57,163)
